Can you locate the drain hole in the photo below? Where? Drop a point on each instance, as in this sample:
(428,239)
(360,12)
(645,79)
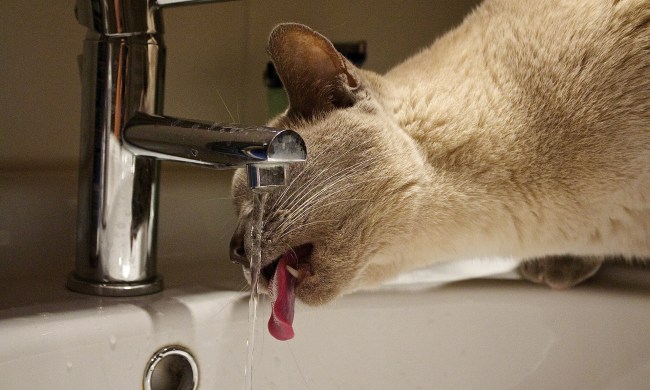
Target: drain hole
(171,368)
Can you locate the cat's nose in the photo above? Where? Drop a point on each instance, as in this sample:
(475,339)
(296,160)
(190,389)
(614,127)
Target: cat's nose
(237,251)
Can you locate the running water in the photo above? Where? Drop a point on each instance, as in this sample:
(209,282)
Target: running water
(259,199)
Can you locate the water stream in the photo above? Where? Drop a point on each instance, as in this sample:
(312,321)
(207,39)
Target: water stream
(255,257)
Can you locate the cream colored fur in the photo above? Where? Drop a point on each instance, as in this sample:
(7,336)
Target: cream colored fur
(524,132)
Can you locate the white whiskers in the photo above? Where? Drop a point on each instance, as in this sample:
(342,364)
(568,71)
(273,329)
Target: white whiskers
(317,187)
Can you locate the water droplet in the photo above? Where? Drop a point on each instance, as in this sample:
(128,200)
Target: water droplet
(68,365)
(112,340)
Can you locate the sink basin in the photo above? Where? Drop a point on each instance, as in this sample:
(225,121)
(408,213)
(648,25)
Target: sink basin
(489,334)
(465,334)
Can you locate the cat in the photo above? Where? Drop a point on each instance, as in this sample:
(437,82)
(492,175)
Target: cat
(524,132)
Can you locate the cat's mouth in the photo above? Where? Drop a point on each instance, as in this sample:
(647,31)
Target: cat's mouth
(297,263)
(282,276)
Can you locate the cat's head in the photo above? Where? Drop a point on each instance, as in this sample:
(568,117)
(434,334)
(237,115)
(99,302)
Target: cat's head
(356,194)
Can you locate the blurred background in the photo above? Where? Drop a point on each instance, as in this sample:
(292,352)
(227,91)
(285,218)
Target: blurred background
(215,61)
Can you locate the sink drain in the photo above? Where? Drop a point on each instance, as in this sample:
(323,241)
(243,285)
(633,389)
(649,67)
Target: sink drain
(171,368)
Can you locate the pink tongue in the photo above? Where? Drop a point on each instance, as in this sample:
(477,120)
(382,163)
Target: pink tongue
(282,292)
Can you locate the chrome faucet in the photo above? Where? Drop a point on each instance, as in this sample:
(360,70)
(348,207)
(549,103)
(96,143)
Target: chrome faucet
(124,136)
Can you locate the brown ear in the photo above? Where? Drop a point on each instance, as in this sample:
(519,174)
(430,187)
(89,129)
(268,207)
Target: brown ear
(317,78)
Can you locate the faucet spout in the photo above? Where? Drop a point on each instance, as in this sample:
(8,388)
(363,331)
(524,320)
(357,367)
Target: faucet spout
(265,151)
(215,145)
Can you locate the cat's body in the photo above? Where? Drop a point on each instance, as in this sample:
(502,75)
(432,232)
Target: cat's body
(525,133)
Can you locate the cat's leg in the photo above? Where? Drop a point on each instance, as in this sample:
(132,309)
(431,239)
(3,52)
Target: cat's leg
(560,272)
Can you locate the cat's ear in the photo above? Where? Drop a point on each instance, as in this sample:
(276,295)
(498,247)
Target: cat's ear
(316,76)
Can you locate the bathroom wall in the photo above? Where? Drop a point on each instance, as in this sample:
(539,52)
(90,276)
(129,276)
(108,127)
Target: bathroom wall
(216,57)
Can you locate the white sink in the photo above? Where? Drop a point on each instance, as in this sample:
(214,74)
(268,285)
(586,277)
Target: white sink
(481,334)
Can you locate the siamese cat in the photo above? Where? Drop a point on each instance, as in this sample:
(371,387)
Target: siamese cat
(524,132)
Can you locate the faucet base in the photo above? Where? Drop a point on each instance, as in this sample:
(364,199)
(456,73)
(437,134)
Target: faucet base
(114,289)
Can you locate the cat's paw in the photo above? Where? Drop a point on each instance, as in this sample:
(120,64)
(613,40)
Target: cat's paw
(560,272)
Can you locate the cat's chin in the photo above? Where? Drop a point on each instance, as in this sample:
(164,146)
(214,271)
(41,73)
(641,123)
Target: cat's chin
(314,291)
